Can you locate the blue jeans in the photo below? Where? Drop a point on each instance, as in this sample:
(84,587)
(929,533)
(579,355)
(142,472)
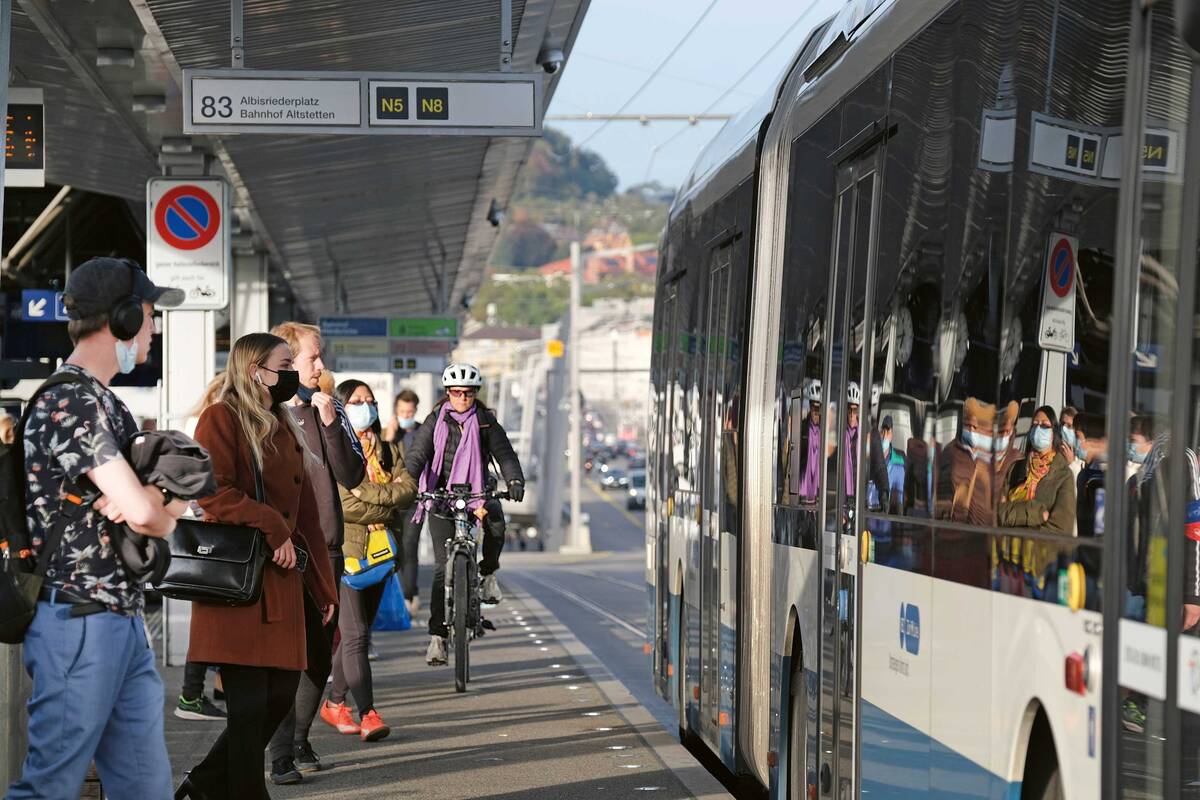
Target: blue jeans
(96,696)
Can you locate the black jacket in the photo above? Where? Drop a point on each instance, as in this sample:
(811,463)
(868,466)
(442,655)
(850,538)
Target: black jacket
(493,444)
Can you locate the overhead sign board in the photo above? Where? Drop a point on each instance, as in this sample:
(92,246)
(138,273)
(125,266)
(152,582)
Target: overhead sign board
(451,104)
(25,139)
(188,242)
(422,347)
(423,328)
(354,326)
(1056,325)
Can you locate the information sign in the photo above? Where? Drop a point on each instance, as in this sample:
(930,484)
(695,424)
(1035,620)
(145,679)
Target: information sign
(1056,325)
(42,305)
(359,346)
(423,328)
(421,347)
(354,326)
(273,101)
(188,239)
(362,363)
(25,139)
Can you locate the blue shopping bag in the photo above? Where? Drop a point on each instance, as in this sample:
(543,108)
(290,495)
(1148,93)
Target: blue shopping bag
(392,614)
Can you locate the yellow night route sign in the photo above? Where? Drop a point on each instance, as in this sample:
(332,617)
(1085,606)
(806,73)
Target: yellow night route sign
(554,348)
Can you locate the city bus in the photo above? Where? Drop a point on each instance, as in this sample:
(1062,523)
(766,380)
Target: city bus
(923,505)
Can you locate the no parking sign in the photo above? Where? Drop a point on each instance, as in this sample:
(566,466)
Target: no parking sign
(1056,326)
(188,238)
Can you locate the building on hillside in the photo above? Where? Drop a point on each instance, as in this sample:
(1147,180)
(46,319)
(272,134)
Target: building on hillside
(596,269)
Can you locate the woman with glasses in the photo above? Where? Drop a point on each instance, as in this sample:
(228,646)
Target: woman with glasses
(455,445)
(376,505)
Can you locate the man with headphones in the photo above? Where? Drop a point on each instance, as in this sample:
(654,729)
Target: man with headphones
(96,692)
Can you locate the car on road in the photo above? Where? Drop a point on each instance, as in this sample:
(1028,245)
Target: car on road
(614,478)
(637,490)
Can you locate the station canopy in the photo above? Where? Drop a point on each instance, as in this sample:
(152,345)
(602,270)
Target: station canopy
(352,224)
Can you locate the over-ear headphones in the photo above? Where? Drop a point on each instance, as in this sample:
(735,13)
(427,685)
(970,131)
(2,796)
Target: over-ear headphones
(126,317)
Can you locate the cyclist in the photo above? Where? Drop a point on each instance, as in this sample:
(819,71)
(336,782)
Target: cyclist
(454,446)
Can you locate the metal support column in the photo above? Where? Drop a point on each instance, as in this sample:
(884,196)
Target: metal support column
(250,304)
(237,35)
(579,539)
(506,37)
(14,685)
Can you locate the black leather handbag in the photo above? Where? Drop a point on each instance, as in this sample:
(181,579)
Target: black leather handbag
(215,562)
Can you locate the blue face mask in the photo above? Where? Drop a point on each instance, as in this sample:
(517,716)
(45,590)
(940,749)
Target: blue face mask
(127,356)
(1080,453)
(1041,439)
(407,424)
(887,446)
(361,415)
(977,441)
(305,394)
(1068,436)
(1135,455)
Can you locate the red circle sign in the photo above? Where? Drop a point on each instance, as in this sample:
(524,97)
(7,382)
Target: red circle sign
(187,217)
(1061,268)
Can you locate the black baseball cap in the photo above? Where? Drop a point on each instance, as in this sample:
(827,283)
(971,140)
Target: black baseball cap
(98,284)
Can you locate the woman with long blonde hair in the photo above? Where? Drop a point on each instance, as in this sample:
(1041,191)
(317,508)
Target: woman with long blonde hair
(260,648)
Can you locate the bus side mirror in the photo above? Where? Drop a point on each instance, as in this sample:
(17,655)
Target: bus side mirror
(1187,20)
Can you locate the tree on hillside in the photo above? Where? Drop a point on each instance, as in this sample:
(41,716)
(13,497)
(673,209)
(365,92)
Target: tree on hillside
(525,244)
(559,171)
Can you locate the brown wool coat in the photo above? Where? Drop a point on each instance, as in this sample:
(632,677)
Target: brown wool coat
(269,633)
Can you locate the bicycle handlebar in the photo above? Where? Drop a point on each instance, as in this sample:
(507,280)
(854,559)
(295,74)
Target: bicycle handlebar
(449,496)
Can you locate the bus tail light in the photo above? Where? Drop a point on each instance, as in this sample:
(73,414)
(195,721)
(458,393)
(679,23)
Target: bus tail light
(1076,673)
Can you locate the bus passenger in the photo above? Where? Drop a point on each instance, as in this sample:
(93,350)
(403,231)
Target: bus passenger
(810,445)
(1040,496)
(964,477)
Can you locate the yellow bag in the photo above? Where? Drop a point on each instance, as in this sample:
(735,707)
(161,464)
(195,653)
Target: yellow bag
(378,563)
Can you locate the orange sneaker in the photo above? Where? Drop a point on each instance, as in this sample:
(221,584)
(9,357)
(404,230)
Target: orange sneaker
(338,716)
(372,727)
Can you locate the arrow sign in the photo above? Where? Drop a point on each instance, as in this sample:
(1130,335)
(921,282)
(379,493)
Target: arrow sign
(60,309)
(39,305)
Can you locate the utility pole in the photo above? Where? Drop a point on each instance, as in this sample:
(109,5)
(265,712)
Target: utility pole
(579,539)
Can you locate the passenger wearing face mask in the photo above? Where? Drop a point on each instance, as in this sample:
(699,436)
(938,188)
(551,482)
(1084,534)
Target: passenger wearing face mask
(1066,430)
(1040,496)
(964,474)
(379,502)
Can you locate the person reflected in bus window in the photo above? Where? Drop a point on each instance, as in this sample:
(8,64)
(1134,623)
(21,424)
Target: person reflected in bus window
(850,438)
(1091,450)
(1141,441)
(810,445)
(1041,496)
(894,463)
(1066,430)
(964,472)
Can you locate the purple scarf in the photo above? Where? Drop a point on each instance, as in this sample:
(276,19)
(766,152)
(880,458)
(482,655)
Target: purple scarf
(468,460)
(811,480)
(851,459)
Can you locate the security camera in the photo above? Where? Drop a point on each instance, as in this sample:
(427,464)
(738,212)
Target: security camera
(495,214)
(551,60)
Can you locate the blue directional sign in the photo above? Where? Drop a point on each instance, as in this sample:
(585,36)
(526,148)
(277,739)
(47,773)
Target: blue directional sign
(41,305)
(354,326)
(60,309)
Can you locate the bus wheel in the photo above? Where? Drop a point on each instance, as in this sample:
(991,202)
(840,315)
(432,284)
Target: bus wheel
(797,745)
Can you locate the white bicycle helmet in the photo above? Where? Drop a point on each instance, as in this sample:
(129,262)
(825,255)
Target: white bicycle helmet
(876,393)
(812,392)
(853,393)
(462,375)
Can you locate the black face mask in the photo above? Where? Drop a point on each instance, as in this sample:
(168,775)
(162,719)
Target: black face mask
(284,388)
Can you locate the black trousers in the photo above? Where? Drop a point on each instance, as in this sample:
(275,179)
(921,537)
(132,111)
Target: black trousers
(442,530)
(410,539)
(319,643)
(351,670)
(257,698)
(193,680)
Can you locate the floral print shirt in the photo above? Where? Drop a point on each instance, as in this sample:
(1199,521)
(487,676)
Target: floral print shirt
(73,429)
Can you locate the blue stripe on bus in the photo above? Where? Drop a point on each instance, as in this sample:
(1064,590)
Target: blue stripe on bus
(899,761)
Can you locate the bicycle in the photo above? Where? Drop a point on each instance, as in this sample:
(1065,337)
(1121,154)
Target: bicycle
(463,601)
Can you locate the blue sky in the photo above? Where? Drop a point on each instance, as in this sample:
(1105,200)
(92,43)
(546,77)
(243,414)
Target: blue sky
(623,40)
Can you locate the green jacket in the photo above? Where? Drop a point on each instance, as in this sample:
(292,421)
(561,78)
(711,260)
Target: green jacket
(384,503)
(1055,493)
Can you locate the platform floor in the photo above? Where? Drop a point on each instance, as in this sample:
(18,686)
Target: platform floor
(540,719)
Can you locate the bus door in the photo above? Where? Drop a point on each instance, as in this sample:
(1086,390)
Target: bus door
(711,602)
(846,432)
(664,475)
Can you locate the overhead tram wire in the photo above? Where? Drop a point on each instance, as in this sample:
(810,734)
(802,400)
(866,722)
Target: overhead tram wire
(654,74)
(733,87)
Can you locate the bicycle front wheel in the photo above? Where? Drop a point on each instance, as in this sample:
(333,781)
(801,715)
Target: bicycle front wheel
(462,607)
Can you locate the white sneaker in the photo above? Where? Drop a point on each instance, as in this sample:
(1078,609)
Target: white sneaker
(414,605)
(490,590)
(435,656)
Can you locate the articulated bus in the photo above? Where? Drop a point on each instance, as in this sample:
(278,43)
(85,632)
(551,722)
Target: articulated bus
(923,508)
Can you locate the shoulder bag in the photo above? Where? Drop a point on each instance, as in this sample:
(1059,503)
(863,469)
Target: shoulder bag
(216,562)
